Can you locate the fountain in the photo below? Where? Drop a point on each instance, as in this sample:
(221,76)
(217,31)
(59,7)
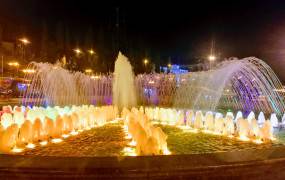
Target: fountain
(52,85)
(247,84)
(274,120)
(15,134)
(251,116)
(59,103)
(123,83)
(209,121)
(149,140)
(239,115)
(261,118)
(245,129)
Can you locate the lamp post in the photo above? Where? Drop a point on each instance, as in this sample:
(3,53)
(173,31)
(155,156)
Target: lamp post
(145,62)
(92,58)
(24,42)
(211,59)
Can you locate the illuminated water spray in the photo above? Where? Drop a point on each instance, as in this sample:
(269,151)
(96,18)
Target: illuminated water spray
(124,94)
(54,85)
(247,85)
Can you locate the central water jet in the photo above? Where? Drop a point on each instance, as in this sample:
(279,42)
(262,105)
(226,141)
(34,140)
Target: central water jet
(123,83)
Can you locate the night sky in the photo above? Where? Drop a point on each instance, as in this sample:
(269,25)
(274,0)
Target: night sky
(182,31)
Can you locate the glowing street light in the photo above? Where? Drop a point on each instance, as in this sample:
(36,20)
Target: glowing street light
(29,71)
(88,70)
(77,51)
(95,77)
(212,58)
(91,52)
(169,65)
(145,61)
(15,64)
(25,41)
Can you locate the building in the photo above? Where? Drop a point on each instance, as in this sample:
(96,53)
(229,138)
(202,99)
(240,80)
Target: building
(174,69)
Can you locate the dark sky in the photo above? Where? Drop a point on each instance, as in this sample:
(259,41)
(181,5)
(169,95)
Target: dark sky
(182,31)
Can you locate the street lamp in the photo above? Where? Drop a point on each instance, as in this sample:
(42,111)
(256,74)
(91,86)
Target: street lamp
(95,77)
(29,71)
(91,52)
(14,64)
(88,71)
(77,51)
(169,65)
(25,41)
(212,57)
(145,61)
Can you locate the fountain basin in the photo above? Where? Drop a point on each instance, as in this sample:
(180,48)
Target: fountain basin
(109,140)
(193,154)
(248,164)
